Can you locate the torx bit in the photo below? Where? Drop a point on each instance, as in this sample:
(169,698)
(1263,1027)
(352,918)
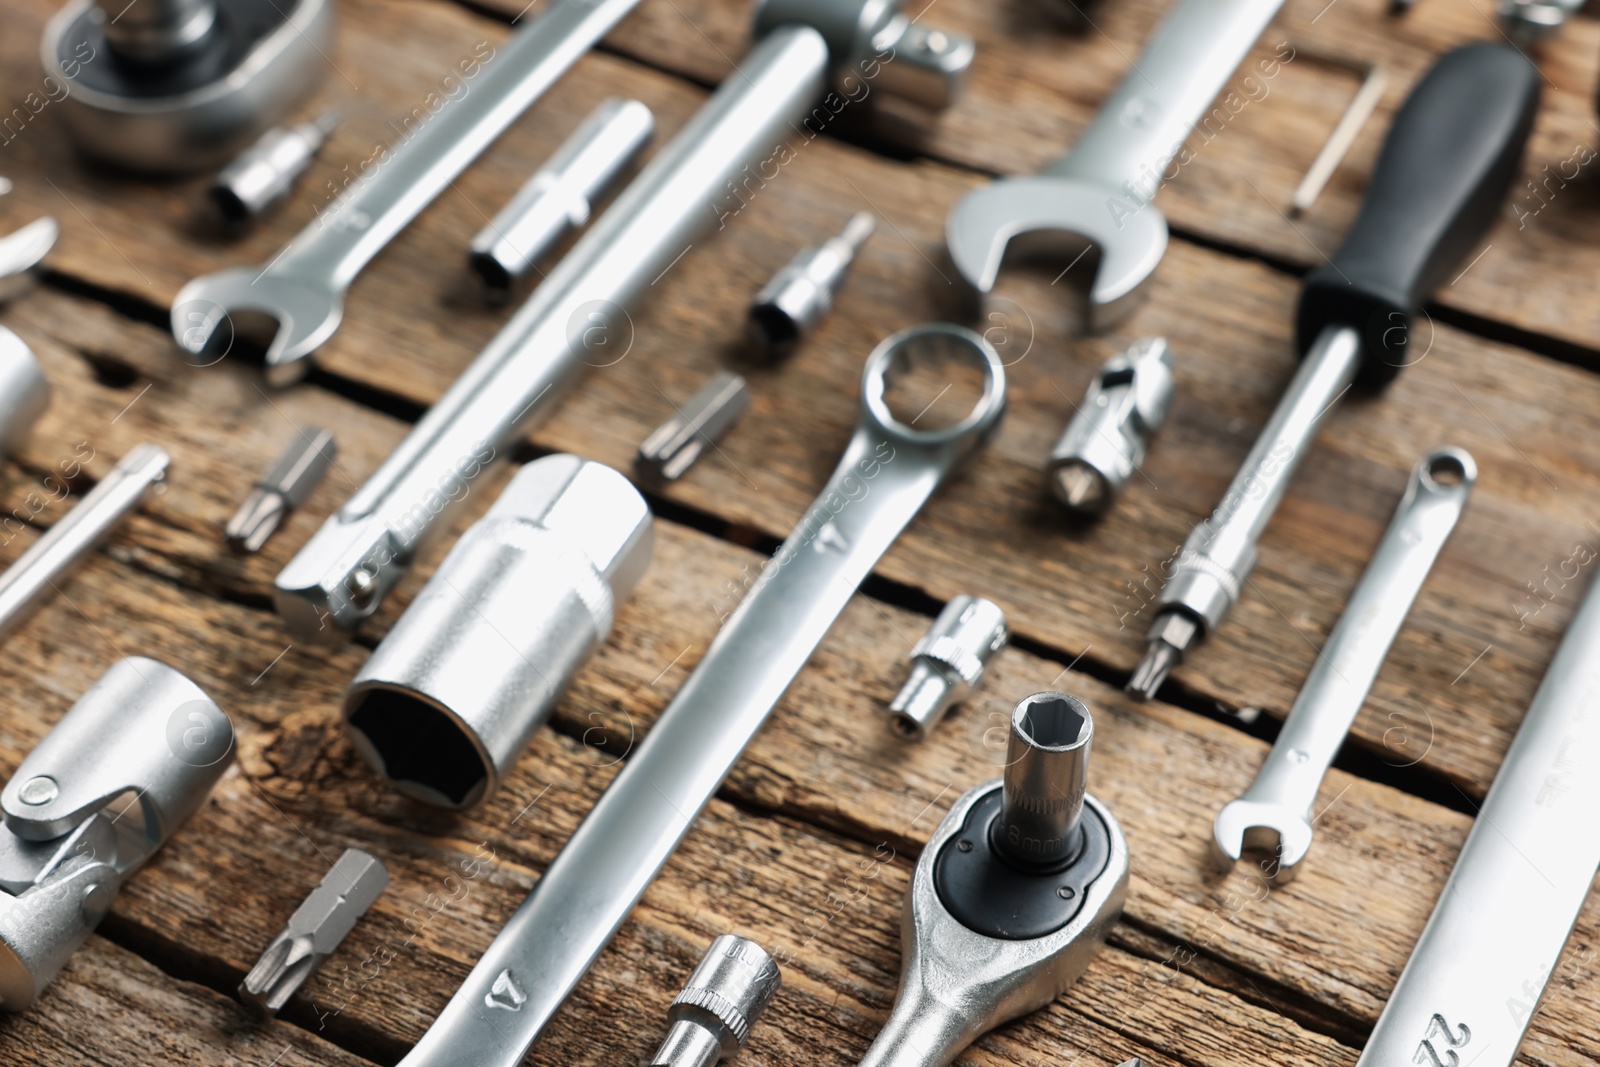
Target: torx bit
(726,994)
(264,173)
(947,664)
(798,296)
(284,487)
(675,446)
(314,931)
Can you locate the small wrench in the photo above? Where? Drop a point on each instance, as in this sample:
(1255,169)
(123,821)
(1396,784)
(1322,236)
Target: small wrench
(1274,815)
(1100,191)
(303,288)
(887,473)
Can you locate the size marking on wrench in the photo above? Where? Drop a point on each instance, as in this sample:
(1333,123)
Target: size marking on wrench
(303,288)
(888,472)
(1274,815)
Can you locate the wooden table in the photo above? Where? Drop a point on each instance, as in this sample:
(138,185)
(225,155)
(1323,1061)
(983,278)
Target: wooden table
(809,845)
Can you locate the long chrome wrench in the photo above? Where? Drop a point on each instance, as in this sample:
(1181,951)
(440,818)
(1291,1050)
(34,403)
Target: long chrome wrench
(1438,185)
(1100,191)
(887,473)
(1274,814)
(577,315)
(1496,936)
(303,288)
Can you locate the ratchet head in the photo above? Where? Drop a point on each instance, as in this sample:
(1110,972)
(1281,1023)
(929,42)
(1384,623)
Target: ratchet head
(306,314)
(1271,830)
(1059,218)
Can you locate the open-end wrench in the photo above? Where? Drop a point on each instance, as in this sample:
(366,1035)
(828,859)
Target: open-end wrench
(1099,193)
(578,315)
(303,287)
(1438,185)
(1274,815)
(1495,938)
(888,472)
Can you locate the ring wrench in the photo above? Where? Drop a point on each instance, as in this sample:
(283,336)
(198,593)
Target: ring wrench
(1493,942)
(578,315)
(1100,192)
(1274,815)
(1440,179)
(887,473)
(303,287)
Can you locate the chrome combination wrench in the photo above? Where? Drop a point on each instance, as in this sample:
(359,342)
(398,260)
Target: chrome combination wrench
(1274,816)
(303,287)
(1496,936)
(888,472)
(578,315)
(1100,192)
(1438,185)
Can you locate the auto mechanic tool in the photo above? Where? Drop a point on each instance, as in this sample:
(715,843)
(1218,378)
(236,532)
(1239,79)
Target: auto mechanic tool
(1274,816)
(64,545)
(561,194)
(24,392)
(578,315)
(123,769)
(886,475)
(1013,896)
(1437,187)
(797,298)
(947,664)
(677,444)
(1495,938)
(316,928)
(1532,22)
(1107,438)
(261,176)
(1374,79)
(711,1019)
(453,693)
(303,287)
(21,250)
(287,484)
(1101,191)
(178,85)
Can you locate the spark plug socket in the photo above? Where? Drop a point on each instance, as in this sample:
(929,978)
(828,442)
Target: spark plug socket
(475,665)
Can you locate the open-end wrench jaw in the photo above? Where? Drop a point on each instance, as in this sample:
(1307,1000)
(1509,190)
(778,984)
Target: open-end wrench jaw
(1054,217)
(1282,836)
(306,314)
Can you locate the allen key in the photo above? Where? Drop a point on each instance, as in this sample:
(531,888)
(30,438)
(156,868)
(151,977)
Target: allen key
(1374,80)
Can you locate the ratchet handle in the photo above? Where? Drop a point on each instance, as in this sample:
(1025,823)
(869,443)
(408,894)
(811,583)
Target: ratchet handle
(1441,177)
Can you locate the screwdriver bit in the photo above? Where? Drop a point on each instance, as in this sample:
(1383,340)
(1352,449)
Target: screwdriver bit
(314,931)
(284,487)
(726,994)
(668,453)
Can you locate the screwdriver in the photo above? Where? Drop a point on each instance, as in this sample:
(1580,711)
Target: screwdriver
(1441,177)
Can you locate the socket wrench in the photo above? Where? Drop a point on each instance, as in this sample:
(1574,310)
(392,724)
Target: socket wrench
(887,473)
(1100,192)
(303,287)
(1495,938)
(578,315)
(1274,816)
(1438,185)
(1013,896)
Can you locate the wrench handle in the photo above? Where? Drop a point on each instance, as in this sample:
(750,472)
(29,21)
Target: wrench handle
(1348,663)
(1441,177)
(1158,103)
(441,137)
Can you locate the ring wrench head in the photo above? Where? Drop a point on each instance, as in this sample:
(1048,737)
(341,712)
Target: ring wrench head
(1058,218)
(926,346)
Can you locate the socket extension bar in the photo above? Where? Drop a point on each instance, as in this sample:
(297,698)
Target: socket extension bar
(578,314)
(1438,185)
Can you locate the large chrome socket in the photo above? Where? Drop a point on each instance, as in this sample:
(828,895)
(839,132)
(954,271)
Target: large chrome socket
(24,392)
(476,664)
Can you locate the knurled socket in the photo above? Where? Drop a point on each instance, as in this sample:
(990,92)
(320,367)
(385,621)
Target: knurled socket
(947,664)
(452,695)
(711,1018)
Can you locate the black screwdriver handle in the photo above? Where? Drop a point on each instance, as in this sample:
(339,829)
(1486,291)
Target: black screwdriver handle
(1450,157)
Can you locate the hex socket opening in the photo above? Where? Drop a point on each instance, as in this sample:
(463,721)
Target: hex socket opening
(1052,721)
(419,746)
(1046,777)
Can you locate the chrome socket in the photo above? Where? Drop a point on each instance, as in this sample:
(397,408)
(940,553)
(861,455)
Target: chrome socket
(1106,440)
(947,664)
(452,695)
(261,177)
(24,392)
(712,1017)
(797,298)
